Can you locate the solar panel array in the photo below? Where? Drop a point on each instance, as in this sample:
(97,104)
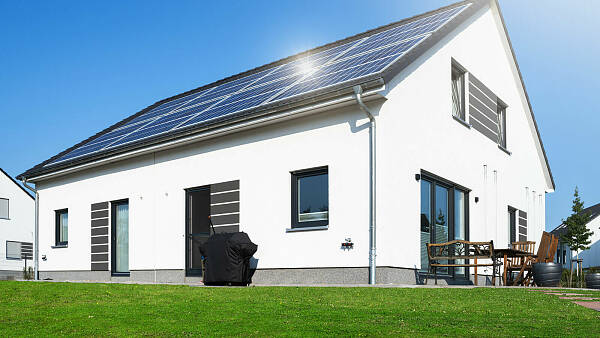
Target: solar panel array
(334,66)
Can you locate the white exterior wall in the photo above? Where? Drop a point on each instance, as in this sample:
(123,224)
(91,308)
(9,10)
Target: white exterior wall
(415,131)
(591,257)
(418,132)
(261,159)
(19,226)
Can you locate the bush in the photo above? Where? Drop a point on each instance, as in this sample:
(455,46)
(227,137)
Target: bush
(27,273)
(566,274)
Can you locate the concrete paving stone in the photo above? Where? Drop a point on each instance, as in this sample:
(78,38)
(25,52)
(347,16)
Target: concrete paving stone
(579,298)
(590,305)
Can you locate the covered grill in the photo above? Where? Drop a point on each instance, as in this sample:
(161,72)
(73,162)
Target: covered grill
(227,259)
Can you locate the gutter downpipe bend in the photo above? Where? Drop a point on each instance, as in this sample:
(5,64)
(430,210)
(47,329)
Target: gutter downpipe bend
(36,233)
(372,205)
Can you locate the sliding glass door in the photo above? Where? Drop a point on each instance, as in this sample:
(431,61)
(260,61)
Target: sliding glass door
(444,217)
(120,237)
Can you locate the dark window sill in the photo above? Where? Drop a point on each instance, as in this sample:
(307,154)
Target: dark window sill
(315,228)
(464,123)
(59,246)
(13,259)
(504,150)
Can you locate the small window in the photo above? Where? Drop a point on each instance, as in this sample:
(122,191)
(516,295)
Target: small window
(310,198)
(458,92)
(62,227)
(4,208)
(501,110)
(13,250)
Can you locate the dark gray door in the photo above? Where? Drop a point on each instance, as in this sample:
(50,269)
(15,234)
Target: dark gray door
(197,227)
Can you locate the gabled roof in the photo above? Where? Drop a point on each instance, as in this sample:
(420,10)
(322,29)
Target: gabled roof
(594,212)
(16,183)
(56,163)
(62,161)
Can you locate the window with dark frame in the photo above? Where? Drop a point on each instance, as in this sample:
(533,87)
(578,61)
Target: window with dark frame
(13,250)
(310,198)
(62,227)
(458,92)
(501,110)
(4,214)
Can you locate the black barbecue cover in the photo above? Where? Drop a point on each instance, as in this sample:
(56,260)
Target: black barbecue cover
(227,258)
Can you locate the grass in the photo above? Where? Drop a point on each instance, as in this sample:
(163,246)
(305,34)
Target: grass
(75,309)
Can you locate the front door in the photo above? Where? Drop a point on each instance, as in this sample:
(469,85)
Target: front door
(197,227)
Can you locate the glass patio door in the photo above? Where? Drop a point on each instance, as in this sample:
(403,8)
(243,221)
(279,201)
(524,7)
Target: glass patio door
(444,209)
(120,237)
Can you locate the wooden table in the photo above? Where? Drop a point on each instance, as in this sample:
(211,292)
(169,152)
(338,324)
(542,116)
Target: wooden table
(513,253)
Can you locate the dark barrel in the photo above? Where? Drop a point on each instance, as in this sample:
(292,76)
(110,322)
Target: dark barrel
(547,274)
(592,280)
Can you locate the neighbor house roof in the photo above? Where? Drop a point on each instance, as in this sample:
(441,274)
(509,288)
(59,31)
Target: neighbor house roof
(594,212)
(15,182)
(202,109)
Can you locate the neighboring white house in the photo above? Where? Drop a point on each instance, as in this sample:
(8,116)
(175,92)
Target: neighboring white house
(591,256)
(17,220)
(283,151)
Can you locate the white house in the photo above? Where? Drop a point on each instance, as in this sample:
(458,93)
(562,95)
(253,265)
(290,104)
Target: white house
(591,256)
(17,211)
(366,141)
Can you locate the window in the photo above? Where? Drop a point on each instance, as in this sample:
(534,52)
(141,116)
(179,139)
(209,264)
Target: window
(120,237)
(4,208)
(501,110)
(310,198)
(512,225)
(62,227)
(13,250)
(458,92)
(444,217)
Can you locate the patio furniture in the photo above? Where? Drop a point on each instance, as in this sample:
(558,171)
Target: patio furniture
(458,253)
(513,259)
(545,253)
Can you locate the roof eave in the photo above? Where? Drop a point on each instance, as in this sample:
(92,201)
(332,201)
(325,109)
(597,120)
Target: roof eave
(371,86)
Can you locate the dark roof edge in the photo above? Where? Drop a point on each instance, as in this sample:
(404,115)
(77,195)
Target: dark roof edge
(39,168)
(594,216)
(526,94)
(415,53)
(16,183)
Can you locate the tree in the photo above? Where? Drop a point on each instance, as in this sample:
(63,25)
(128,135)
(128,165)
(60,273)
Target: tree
(578,235)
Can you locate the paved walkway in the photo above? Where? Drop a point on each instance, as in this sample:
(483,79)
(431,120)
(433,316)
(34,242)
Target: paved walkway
(581,299)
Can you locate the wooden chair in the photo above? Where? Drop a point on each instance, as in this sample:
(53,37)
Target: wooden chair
(526,266)
(552,250)
(515,264)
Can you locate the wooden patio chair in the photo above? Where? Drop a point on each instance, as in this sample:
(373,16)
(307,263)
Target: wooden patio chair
(525,269)
(518,262)
(552,250)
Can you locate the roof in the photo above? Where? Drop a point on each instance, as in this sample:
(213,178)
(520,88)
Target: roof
(65,160)
(16,183)
(594,212)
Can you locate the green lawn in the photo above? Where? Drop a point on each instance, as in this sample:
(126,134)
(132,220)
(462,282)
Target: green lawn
(44,309)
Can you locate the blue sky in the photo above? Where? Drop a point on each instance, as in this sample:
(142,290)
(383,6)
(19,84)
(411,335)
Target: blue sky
(71,68)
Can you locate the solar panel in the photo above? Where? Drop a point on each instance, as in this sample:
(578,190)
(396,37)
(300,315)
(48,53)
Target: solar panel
(334,66)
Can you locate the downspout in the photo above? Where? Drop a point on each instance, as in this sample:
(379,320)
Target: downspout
(36,232)
(372,164)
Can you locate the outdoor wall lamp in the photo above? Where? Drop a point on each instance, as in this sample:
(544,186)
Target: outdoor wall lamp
(418,177)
